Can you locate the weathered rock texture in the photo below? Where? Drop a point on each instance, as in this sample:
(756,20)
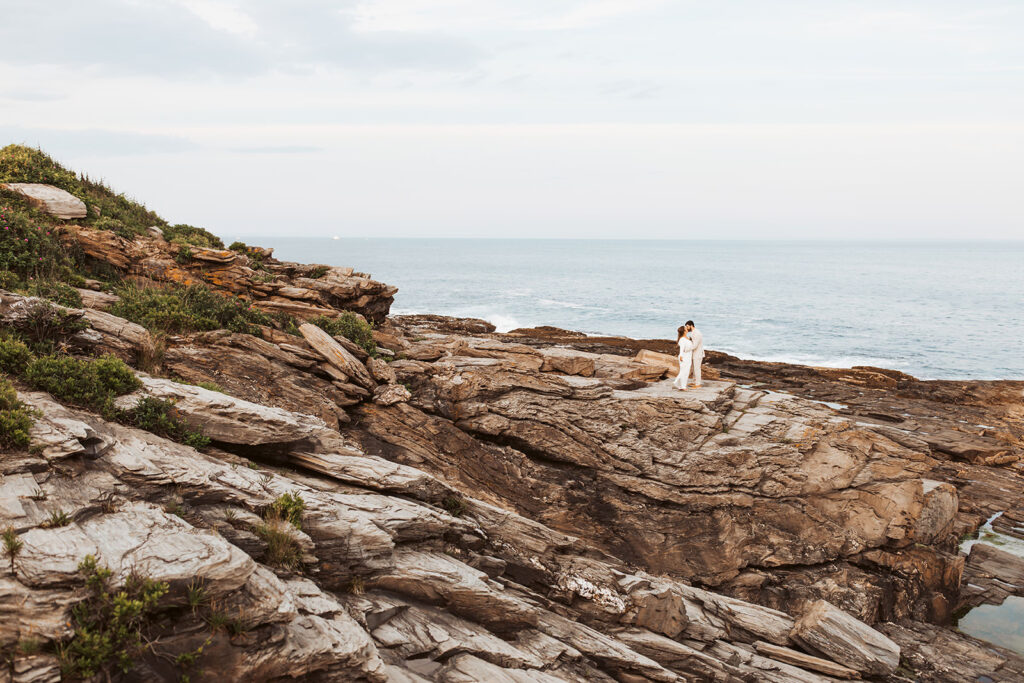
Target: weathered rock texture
(53,200)
(272,285)
(537,506)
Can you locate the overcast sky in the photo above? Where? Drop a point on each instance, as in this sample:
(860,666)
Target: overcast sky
(552,118)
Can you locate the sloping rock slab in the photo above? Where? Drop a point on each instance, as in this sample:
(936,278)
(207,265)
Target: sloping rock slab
(226,418)
(829,630)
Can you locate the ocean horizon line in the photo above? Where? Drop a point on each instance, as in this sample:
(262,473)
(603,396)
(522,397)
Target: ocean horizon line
(781,240)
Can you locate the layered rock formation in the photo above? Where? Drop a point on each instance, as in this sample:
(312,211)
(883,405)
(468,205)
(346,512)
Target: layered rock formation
(304,291)
(536,506)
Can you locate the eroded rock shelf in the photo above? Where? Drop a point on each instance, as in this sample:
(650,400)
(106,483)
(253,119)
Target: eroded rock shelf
(534,506)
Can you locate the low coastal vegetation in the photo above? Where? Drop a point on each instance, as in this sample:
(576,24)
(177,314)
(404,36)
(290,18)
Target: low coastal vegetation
(111,624)
(84,383)
(350,326)
(15,418)
(160,417)
(196,308)
(22,164)
(190,234)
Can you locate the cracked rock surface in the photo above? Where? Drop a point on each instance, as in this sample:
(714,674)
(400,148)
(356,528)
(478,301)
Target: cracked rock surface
(536,506)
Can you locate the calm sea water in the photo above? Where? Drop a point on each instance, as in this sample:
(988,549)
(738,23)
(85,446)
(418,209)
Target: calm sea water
(933,309)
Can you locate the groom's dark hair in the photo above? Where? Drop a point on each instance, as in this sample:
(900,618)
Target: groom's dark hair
(690,323)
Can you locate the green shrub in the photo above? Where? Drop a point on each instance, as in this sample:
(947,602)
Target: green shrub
(284,322)
(183,257)
(190,234)
(187,309)
(44,323)
(59,292)
(455,506)
(14,356)
(135,217)
(109,625)
(240,247)
(160,417)
(15,418)
(92,384)
(350,326)
(317,272)
(21,164)
(29,248)
(288,507)
(9,280)
(118,227)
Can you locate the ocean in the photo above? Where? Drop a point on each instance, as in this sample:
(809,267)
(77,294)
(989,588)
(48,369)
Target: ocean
(936,310)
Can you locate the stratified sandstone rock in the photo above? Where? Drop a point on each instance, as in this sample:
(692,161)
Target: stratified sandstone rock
(825,628)
(805,661)
(390,394)
(381,371)
(98,300)
(337,355)
(275,288)
(52,200)
(226,418)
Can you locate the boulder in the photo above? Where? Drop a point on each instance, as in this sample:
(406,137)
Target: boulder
(568,362)
(337,355)
(52,200)
(96,299)
(826,629)
(381,371)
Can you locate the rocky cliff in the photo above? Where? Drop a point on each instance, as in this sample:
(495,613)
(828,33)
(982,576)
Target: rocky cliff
(447,503)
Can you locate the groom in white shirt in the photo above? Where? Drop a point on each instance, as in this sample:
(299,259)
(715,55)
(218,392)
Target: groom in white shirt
(698,352)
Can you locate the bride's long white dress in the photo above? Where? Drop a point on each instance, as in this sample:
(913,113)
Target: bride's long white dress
(685,359)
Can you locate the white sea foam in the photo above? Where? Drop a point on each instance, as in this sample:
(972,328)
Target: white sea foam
(502,323)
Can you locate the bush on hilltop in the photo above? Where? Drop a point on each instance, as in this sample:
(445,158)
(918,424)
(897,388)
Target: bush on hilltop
(190,234)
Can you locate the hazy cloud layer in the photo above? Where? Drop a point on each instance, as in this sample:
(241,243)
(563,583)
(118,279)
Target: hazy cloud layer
(194,38)
(602,118)
(96,142)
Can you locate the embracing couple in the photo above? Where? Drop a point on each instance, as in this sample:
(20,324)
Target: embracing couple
(691,353)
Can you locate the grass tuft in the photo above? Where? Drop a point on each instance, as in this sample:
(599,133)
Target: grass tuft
(289,508)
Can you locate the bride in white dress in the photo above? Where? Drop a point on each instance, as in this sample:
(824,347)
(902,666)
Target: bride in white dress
(685,358)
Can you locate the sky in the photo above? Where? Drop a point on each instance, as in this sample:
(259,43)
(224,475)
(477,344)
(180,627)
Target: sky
(732,119)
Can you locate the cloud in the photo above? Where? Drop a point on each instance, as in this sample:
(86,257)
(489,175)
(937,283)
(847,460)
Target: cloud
(179,39)
(279,149)
(94,142)
(30,95)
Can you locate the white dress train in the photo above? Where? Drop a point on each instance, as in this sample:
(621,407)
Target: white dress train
(685,360)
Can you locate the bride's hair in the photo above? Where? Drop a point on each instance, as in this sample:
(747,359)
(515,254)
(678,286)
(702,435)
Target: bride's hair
(681,331)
